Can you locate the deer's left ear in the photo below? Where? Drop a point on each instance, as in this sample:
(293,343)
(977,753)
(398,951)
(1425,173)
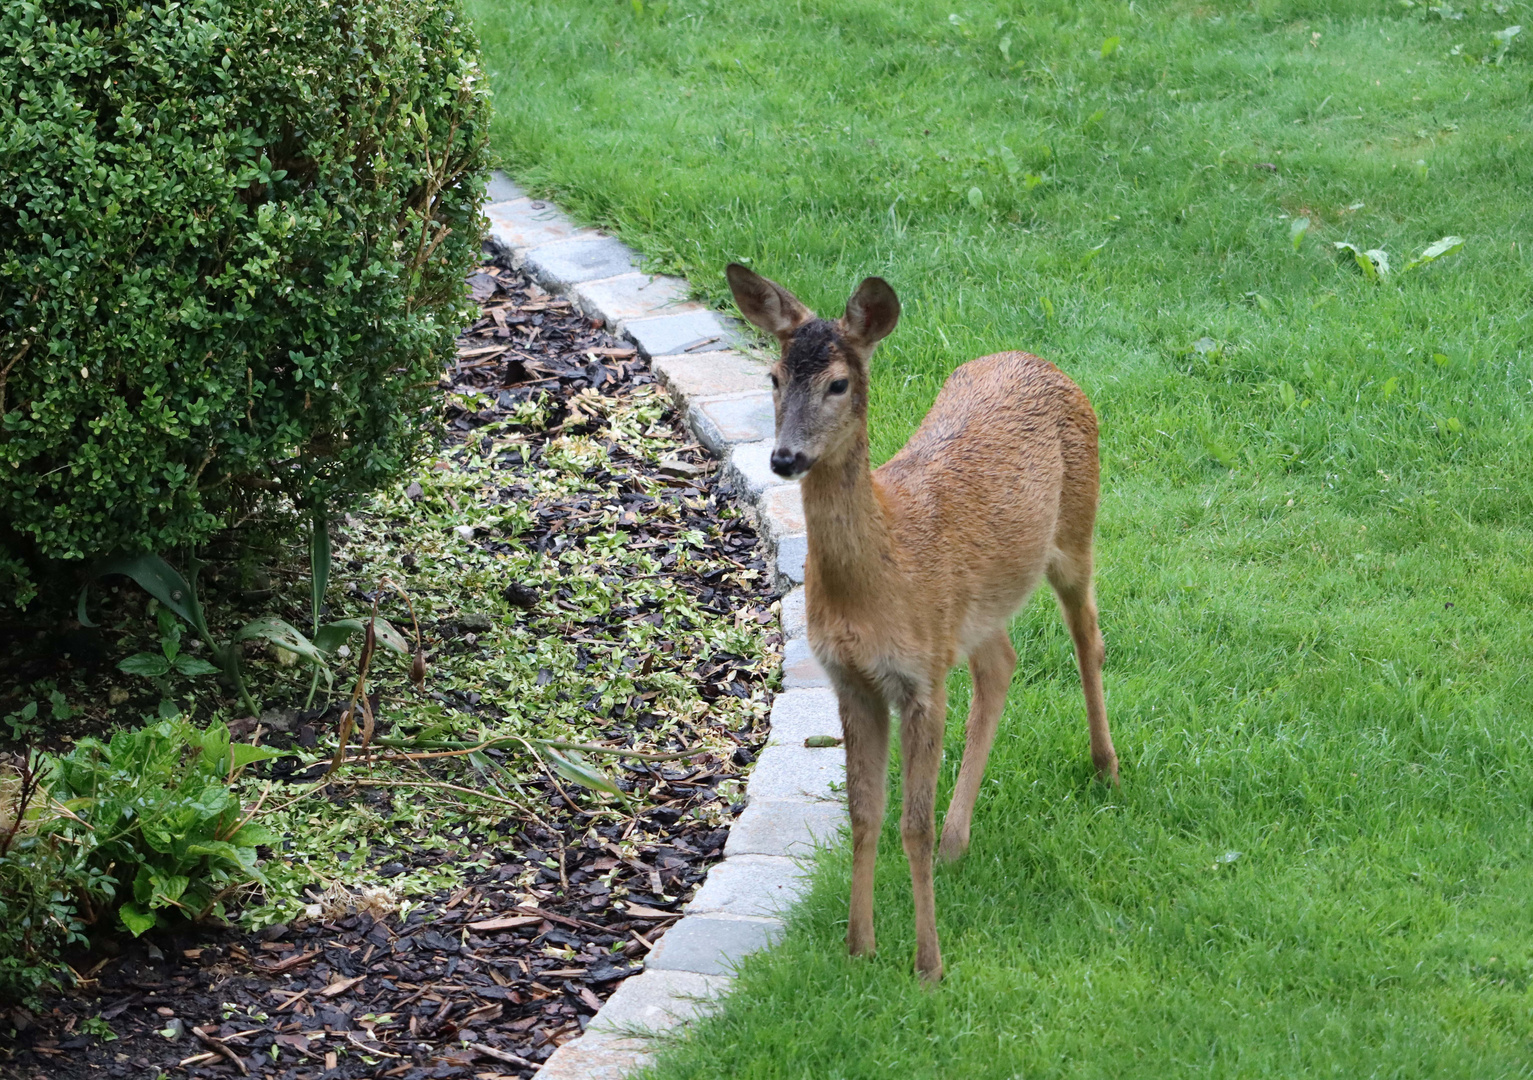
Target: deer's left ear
(871,313)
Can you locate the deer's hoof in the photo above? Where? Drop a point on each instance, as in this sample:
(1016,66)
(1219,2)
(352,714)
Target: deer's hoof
(953,845)
(929,970)
(1107,771)
(860,944)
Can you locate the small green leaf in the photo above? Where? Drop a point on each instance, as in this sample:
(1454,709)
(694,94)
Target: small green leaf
(195,665)
(145,664)
(1286,394)
(168,889)
(1372,270)
(1297,231)
(817,742)
(976,198)
(1110,46)
(1448,245)
(136,919)
(243,754)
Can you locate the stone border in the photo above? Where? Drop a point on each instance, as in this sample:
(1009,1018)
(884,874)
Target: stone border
(793,793)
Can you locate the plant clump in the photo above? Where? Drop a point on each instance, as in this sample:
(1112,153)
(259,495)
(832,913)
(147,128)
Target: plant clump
(233,237)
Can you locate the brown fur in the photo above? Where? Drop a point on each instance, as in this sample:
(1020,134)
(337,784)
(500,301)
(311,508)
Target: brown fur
(925,561)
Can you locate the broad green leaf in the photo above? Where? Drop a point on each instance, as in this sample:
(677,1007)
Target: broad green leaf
(976,198)
(195,665)
(145,664)
(1448,245)
(155,576)
(281,633)
(577,771)
(1110,46)
(390,638)
(136,919)
(319,562)
(332,635)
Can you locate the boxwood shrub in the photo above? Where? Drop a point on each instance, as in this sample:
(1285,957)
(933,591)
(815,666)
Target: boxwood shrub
(233,236)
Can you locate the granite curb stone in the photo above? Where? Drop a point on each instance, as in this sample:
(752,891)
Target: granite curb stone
(616,300)
(712,943)
(793,793)
(564,263)
(764,885)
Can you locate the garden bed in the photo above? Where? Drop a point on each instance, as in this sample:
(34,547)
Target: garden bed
(579,575)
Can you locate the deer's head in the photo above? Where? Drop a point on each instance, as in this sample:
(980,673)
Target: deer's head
(820,383)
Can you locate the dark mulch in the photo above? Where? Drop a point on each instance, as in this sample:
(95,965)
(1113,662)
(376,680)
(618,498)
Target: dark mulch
(483,980)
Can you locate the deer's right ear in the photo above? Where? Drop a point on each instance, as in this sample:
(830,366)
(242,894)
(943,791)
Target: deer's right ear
(765,303)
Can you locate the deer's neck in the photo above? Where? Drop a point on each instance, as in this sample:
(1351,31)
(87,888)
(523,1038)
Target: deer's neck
(850,547)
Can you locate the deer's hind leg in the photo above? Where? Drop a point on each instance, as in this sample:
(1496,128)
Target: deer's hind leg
(990,668)
(1070,575)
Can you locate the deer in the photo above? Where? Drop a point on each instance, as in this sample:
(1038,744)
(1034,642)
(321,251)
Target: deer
(926,560)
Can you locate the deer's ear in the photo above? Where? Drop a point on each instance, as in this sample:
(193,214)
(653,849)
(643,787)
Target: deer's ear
(871,313)
(765,303)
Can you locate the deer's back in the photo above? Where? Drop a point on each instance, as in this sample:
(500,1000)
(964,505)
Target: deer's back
(978,493)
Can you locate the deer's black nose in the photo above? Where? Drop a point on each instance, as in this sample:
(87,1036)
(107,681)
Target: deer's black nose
(790,462)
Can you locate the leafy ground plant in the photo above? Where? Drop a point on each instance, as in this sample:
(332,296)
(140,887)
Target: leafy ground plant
(155,810)
(1313,542)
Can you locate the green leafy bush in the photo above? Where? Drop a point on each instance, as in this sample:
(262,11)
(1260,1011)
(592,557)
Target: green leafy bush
(144,826)
(155,811)
(233,235)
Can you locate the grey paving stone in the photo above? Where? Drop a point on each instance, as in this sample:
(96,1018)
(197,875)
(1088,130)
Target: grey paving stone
(597,1056)
(798,714)
(780,827)
(656,1000)
(749,469)
(522,224)
(781,509)
(792,553)
(711,944)
(690,379)
(690,333)
(795,619)
(800,670)
(797,772)
(588,258)
(721,422)
(618,299)
(502,188)
(751,885)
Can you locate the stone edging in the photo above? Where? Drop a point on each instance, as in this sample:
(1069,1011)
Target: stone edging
(793,796)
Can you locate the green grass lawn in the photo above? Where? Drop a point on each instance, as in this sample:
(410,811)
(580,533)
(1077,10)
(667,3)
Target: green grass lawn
(1313,554)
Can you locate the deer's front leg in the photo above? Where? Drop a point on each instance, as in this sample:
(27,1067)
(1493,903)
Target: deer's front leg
(865,727)
(921,725)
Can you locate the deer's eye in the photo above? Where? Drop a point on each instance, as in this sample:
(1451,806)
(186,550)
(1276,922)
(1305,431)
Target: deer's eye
(776,385)
(838,387)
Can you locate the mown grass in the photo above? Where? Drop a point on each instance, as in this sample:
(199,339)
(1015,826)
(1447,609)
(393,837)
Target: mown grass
(1314,541)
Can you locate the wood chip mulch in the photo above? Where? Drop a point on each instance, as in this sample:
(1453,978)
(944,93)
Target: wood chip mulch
(487,979)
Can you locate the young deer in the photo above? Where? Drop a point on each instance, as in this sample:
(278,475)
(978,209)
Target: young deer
(926,559)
